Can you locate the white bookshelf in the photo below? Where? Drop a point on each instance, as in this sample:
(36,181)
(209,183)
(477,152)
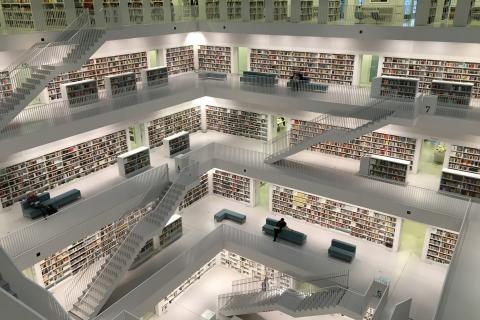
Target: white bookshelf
(133,162)
(257,8)
(177,143)
(18,14)
(6,88)
(153,77)
(373,226)
(377,143)
(384,168)
(240,123)
(280,10)
(460,182)
(135,11)
(334,10)
(59,167)
(464,159)
(252,269)
(214,58)
(120,84)
(451,92)
(195,194)
(80,92)
(394,87)
(307,11)
(232,186)
(186,120)
(440,245)
(180,59)
(98,68)
(83,253)
(427,70)
(319,67)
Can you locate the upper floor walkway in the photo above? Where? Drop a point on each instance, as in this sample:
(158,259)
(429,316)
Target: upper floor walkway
(396,20)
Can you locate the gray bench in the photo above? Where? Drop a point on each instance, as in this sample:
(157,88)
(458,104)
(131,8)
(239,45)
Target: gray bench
(342,250)
(286,233)
(304,85)
(231,215)
(31,212)
(203,75)
(63,199)
(259,78)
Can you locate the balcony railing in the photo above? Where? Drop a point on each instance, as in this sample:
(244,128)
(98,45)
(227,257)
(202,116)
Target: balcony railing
(54,17)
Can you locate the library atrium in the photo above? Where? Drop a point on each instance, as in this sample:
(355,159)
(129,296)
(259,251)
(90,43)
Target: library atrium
(245,160)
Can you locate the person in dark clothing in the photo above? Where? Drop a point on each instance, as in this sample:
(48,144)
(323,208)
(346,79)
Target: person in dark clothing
(278,228)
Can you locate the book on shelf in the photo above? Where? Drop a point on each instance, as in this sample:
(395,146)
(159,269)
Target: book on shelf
(427,70)
(462,183)
(59,167)
(240,123)
(257,8)
(452,92)
(153,77)
(120,84)
(177,143)
(133,162)
(384,168)
(440,245)
(356,221)
(319,67)
(186,120)
(376,143)
(214,58)
(80,92)
(98,68)
(83,253)
(464,158)
(232,186)
(195,194)
(394,87)
(180,59)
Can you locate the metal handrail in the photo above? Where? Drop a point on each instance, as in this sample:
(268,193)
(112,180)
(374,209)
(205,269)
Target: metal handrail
(179,180)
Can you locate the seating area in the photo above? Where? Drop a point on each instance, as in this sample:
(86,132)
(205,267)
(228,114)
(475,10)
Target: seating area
(56,202)
(342,250)
(230,215)
(259,78)
(306,85)
(286,233)
(210,75)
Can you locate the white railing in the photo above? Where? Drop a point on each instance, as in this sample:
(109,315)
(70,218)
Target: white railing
(129,195)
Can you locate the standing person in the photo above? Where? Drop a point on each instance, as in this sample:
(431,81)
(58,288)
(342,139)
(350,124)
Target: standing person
(265,284)
(278,228)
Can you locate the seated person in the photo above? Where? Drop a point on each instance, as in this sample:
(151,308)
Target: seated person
(33,201)
(278,228)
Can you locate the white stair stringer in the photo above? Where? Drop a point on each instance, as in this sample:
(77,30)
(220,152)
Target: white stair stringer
(111,272)
(289,301)
(43,62)
(378,119)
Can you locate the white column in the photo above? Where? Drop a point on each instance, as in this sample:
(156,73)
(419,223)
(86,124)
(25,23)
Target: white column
(147,12)
(295,11)
(202,10)
(423,11)
(38,15)
(223,10)
(357,70)
(203,118)
(70,13)
(245,11)
(99,15)
(323,11)
(462,13)
(268,12)
(124,14)
(167,11)
(234,60)
(195,57)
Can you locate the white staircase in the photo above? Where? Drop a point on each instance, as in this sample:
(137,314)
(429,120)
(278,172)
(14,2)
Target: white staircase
(289,301)
(36,67)
(339,129)
(104,282)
